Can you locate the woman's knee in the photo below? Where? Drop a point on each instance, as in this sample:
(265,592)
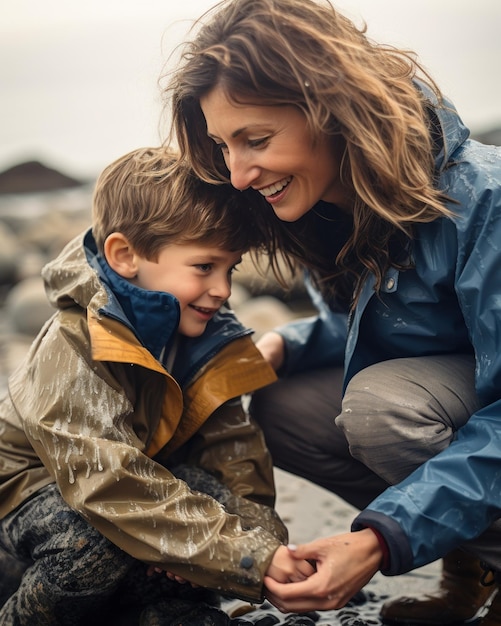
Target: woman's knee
(378,410)
(411,406)
(436,391)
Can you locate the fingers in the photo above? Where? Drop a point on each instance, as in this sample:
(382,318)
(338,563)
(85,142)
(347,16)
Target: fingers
(306,551)
(178,579)
(152,569)
(305,569)
(343,565)
(288,591)
(302,596)
(297,577)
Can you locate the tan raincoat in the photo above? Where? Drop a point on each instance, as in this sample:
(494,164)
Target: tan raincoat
(90,407)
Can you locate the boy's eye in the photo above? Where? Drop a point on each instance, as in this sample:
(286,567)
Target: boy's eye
(205,267)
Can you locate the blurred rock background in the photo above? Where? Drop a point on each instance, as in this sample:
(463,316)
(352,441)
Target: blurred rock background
(41,209)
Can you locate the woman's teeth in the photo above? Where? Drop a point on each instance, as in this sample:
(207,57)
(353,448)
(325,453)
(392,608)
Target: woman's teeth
(275,188)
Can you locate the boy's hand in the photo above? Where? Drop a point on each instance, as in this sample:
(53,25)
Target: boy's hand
(285,568)
(152,569)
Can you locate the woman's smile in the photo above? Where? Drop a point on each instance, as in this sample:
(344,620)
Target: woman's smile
(274,188)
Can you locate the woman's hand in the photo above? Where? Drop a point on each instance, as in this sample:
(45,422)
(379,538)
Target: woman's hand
(344,564)
(272,347)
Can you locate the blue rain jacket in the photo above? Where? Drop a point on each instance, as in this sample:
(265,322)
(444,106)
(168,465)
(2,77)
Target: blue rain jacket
(450,302)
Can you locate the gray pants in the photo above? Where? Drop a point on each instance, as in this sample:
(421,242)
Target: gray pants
(393,417)
(56,569)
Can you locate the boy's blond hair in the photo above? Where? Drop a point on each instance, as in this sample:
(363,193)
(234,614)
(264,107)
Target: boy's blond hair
(154,200)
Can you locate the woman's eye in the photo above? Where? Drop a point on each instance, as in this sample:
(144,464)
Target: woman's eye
(256,143)
(222,146)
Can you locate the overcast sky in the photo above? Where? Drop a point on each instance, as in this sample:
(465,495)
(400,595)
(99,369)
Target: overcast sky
(78,79)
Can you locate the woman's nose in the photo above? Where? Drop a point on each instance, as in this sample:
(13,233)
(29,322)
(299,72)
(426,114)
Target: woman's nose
(243,173)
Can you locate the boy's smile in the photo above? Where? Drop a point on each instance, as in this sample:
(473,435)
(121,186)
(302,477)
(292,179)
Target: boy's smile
(198,276)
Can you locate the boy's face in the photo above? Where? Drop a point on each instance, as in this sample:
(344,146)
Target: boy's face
(198,276)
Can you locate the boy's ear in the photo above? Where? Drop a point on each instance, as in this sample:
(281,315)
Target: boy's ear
(120,255)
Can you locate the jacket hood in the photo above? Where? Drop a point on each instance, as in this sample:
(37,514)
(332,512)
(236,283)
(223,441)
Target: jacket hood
(70,281)
(450,130)
(153,316)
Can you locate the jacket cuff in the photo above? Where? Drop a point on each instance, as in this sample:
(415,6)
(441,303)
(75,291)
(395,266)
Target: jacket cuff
(400,559)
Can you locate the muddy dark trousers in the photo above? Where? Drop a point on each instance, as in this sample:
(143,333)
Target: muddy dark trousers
(56,569)
(64,569)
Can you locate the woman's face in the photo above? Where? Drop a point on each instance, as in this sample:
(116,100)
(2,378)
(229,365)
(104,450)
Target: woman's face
(271,149)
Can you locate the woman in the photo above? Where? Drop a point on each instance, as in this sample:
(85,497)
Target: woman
(363,174)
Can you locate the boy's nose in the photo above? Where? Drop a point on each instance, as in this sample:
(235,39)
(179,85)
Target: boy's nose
(221,289)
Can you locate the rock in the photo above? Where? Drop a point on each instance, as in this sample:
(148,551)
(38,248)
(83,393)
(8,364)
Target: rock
(259,280)
(30,263)
(490,137)
(49,233)
(239,295)
(26,307)
(8,254)
(34,176)
(263,313)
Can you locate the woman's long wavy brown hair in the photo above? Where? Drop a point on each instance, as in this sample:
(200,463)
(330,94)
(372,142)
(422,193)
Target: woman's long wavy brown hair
(306,54)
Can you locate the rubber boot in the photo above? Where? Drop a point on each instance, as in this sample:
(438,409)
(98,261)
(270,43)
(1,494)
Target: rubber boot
(460,595)
(493,617)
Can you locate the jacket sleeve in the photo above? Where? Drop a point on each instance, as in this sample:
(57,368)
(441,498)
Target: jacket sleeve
(317,341)
(454,496)
(79,425)
(231,446)
(451,498)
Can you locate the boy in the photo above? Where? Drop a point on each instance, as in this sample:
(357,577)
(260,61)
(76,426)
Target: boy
(124,446)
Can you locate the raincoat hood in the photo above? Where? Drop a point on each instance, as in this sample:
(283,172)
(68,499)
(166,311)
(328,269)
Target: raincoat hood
(449,131)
